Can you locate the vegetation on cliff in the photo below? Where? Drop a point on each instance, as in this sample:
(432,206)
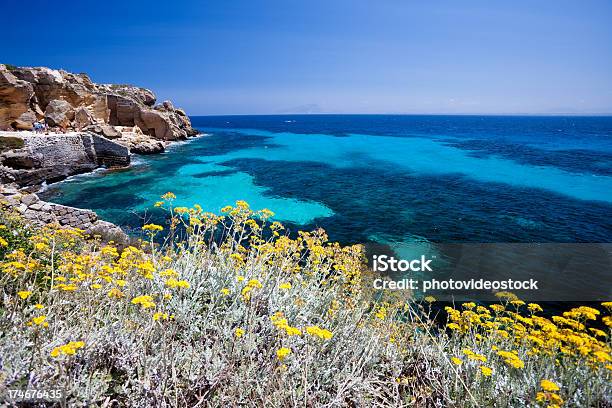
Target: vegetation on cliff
(238,313)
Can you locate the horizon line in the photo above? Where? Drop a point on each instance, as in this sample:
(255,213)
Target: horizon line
(603,114)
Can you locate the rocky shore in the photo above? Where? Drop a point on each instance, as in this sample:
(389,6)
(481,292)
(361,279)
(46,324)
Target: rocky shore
(89,125)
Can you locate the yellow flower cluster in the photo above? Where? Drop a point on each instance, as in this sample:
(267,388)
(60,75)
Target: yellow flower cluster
(67,349)
(152,228)
(174,283)
(511,358)
(145,301)
(160,316)
(39,321)
(549,394)
(474,356)
(24,294)
(486,371)
(246,291)
(316,331)
(282,353)
(280,322)
(263,269)
(560,336)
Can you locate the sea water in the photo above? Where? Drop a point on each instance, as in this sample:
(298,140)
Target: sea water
(386,180)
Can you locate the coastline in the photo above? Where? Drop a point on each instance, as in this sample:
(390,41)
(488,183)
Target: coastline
(55,124)
(25,199)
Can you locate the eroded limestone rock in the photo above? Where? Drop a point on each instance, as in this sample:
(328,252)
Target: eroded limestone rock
(72,102)
(59,113)
(36,158)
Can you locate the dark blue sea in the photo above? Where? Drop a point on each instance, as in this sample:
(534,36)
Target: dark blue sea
(387,180)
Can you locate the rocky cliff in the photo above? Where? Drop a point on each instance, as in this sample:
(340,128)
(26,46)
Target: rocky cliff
(67,101)
(90,125)
(29,159)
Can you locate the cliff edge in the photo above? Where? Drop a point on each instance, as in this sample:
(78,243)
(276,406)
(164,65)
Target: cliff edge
(72,102)
(88,125)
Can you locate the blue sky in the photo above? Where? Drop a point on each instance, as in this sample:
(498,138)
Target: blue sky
(333,56)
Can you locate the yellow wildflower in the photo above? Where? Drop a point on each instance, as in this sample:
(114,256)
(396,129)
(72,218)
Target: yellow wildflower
(282,352)
(115,293)
(145,301)
(67,349)
(548,385)
(486,371)
(67,288)
(381,313)
(160,316)
(497,308)
(239,332)
(41,246)
(511,359)
(602,356)
(40,321)
(168,273)
(152,228)
(534,307)
(173,283)
(24,294)
(316,331)
(254,283)
(181,210)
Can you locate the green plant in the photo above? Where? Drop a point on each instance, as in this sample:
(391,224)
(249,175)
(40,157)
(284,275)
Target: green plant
(239,313)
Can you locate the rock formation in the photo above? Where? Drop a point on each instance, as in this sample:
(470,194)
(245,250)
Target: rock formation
(70,101)
(40,212)
(137,142)
(29,159)
(90,125)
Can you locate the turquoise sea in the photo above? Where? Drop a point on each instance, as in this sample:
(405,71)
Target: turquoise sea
(386,180)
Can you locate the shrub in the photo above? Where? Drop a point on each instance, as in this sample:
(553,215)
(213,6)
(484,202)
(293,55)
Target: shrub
(11,67)
(229,317)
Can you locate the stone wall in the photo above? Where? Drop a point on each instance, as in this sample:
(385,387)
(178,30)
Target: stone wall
(40,213)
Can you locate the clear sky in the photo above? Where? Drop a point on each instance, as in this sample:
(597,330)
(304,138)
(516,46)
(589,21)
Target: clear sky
(330,56)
